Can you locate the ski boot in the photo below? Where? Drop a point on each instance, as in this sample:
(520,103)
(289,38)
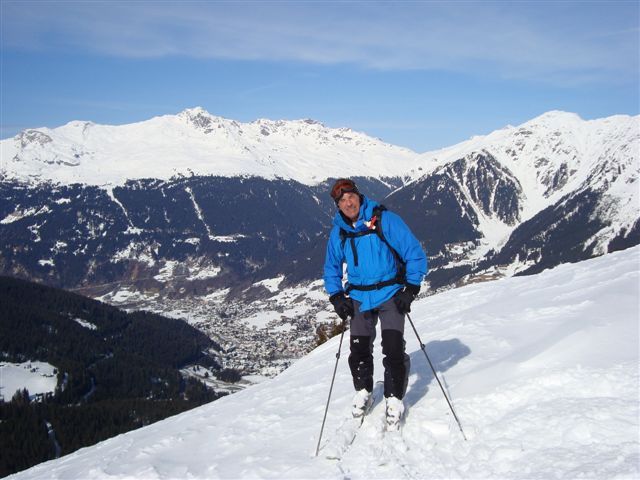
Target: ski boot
(395,411)
(362,401)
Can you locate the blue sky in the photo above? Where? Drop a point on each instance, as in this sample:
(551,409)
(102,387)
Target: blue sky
(423,75)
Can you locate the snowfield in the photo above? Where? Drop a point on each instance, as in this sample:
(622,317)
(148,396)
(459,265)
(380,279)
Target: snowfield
(542,372)
(37,377)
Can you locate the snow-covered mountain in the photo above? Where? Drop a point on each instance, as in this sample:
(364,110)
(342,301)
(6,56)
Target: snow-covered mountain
(554,154)
(552,190)
(192,209)
(194,142)
(542,371)
(539,162)
(499,180)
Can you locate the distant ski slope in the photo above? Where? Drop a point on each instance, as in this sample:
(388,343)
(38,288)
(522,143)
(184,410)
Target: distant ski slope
(542,371)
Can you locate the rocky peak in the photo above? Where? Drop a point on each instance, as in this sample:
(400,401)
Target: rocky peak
(31,137)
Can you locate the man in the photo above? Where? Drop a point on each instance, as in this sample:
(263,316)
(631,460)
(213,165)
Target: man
(385,266)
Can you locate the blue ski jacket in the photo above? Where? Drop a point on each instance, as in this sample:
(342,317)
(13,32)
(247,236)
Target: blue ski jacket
(376,262)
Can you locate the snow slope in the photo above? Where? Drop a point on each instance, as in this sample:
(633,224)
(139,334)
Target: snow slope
(37,377)
(542,371)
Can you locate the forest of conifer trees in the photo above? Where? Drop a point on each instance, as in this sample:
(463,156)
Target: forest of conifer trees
(121,375)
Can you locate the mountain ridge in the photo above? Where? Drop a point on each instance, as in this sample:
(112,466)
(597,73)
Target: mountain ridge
(476,193)
(195,142)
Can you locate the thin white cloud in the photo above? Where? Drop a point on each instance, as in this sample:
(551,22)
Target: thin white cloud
(559,42)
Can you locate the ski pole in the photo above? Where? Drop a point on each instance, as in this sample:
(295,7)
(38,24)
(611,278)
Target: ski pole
(422,346)
(335,369)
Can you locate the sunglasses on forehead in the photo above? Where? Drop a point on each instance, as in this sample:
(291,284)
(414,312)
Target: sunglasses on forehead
(341,187)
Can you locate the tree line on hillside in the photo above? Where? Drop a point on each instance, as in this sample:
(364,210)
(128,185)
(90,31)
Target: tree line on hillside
(32,432)
(120,374)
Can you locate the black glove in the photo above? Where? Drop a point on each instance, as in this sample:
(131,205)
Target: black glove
(342,305)
(405,296)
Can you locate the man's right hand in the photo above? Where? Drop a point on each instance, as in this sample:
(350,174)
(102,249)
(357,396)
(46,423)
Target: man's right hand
(342,305)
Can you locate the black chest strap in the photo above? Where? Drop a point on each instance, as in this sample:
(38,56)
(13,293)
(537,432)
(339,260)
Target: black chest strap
(352,241)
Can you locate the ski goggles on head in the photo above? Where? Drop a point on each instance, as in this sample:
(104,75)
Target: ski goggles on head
(341,187)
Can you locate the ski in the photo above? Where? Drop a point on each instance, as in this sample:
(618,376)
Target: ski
(347,431)
(392,447)
(392,444)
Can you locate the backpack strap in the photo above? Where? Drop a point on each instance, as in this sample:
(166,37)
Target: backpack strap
(352,236)
(401,265)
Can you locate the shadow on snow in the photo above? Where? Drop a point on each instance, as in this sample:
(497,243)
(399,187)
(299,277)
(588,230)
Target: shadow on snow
(443,354)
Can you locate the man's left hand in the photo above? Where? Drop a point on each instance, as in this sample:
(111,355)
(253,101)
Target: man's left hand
(405,296)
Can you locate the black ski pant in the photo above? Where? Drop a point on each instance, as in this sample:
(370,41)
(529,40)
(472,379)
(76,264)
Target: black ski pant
(396,362)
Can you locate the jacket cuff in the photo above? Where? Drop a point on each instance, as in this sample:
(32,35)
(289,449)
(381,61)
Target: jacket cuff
(335,295)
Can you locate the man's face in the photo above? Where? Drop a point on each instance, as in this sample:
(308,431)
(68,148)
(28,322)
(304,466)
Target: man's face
(349,204)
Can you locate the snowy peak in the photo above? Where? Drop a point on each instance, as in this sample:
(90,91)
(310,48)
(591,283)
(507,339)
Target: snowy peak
(281,129)
(196,142)
(200,119)
(558,118)
(548,154)
(554,153)
(29,137)
(530,191)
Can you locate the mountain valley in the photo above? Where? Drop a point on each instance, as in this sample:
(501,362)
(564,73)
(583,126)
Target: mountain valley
(213,221)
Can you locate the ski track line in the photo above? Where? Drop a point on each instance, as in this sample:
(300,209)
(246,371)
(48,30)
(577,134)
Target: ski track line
(347,432)
(390,448)
(394,450)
